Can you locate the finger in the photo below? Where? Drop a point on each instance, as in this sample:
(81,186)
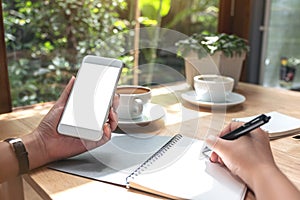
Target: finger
(217,145)
(65,94)
(211,142)
(55,112)
(227,129)
(230,127)
(106,134)
(116,102)
(214,157)
(220,161)
(113,119)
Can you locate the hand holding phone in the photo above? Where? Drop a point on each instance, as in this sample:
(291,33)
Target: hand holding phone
(90,99)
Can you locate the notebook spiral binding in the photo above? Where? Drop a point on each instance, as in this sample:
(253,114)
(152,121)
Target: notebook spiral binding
(153,158)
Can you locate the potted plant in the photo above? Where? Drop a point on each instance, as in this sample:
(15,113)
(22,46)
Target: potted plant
(287,71)
(208,53)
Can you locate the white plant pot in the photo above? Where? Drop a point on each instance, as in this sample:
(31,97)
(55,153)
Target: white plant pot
(232,66)
(214,64)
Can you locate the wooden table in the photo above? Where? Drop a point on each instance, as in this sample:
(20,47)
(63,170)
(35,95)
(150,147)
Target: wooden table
(182,117)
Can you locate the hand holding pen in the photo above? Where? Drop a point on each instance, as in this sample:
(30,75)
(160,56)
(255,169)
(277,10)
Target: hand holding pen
(244,129)
(250,158)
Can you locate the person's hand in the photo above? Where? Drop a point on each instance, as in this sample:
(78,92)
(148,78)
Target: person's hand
(244,156)
(52,145)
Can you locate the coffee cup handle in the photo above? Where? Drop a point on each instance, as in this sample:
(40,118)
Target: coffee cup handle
(138,106)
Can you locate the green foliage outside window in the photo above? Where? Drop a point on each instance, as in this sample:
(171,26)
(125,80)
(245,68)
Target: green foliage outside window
(46,40)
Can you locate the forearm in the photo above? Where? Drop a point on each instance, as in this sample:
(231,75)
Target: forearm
(9,167)
(35,149)
(271,183)
(9,164)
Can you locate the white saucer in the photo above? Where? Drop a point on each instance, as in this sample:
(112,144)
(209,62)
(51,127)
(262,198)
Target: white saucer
(151,112)
(233,99)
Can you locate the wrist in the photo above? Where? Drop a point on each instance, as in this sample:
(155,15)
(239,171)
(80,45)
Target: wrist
(10,168)
(260,175)
(21,154)
(35,149)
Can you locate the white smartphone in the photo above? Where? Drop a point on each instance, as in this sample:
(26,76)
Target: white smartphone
(91,98)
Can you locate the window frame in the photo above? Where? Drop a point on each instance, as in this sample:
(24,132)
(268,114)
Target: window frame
(5,97)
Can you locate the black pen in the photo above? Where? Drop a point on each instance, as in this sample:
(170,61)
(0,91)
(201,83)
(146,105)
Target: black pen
(247,127)
(244,129)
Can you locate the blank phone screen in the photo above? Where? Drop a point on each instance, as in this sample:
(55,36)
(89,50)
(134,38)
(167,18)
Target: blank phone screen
(90,97)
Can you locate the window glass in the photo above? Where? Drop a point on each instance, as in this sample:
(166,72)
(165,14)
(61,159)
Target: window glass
(281,62)
(46,40)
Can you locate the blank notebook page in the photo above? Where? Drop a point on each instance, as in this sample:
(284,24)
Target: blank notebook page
(279,124)
(179,173)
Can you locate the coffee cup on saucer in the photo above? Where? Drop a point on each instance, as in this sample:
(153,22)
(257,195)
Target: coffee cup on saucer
(132,100)
(212,87)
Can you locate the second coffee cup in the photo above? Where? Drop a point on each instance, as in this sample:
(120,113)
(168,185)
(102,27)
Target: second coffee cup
(132,100)
(213,88)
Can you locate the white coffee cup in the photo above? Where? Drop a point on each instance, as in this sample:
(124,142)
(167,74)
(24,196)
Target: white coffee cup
(132,100)
(213,88)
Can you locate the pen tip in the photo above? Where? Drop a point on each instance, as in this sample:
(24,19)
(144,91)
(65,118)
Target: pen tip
(205,149)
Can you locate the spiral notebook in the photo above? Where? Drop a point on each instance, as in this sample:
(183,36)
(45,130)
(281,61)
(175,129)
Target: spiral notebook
(173,170)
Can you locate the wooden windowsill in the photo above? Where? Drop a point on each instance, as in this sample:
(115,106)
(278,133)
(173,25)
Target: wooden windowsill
(22,118)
